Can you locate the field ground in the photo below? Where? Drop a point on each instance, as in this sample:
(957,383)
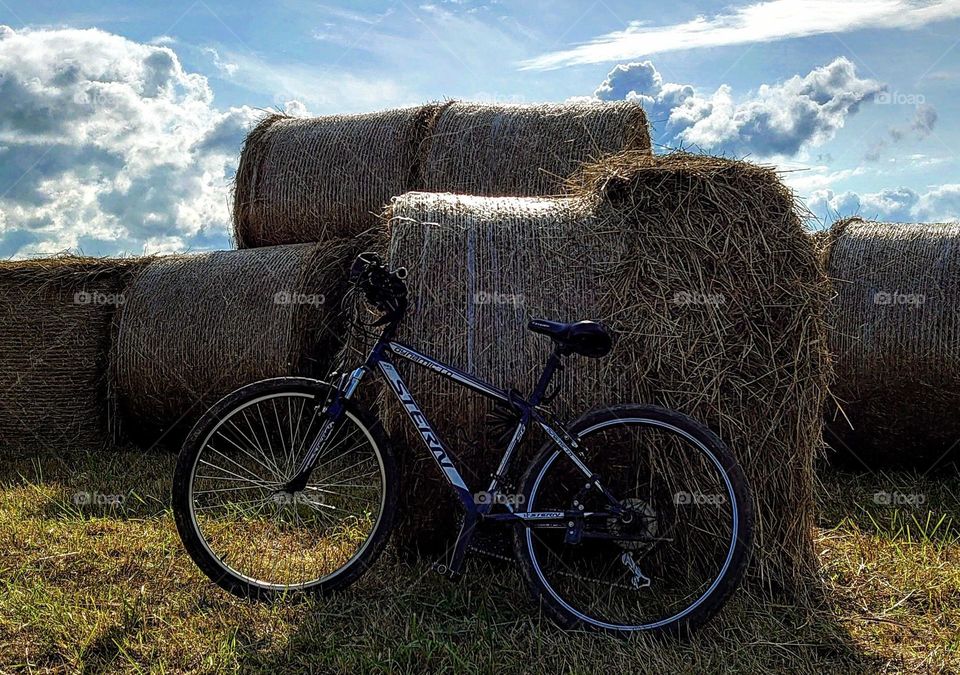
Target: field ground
(103,586)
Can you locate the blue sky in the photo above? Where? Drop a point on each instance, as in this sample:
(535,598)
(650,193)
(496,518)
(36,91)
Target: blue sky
(120,122)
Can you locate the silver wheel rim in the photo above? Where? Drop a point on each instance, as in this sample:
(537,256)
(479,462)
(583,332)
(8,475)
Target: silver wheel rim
(679,616)
(264,583)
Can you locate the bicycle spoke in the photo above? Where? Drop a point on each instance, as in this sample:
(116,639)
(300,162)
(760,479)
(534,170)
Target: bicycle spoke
(269,467)
(235,463)
(674,544)
(230,489)
(220,468)
(279,538)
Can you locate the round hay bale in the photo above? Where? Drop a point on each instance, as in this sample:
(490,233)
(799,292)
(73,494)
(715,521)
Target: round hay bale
(55,319)
(704,272)
(196,327)
(526,150)
(895,337)
(310,179)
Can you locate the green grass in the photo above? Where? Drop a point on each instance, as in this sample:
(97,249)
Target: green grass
(104,587)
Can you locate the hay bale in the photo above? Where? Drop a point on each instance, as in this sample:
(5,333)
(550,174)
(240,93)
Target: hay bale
(55,319)
(526,150)
(196,327)
(310,179)
(643,235)
(894,327)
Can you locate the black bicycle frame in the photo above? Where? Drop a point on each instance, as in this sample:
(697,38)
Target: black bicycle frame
(529,411)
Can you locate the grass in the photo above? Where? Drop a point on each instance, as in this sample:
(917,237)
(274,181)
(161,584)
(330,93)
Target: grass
(105,586)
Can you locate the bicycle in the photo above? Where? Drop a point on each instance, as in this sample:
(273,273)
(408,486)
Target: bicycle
(633,518)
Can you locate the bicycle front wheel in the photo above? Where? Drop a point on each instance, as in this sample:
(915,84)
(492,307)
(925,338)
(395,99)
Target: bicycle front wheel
(671,560)
(253,538)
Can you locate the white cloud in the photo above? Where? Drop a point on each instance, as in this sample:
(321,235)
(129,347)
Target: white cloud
(808,179)
(757,22)
(324,89)
(223,66)
(900,204)
(776,120)
(108,145)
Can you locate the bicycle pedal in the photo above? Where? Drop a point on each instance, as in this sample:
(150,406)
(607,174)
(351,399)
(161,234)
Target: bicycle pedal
(574,533)
(445,571)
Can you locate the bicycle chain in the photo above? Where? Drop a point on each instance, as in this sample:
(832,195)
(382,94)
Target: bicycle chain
(497,556)
(491,554)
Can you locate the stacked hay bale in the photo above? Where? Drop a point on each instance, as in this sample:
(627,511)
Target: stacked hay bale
(302,180)
(196,327)
(310,179)
(702,269)
(895,337)
(526,150)
(55,319)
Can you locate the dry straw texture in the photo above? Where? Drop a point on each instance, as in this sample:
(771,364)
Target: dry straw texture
(895,336)
(704,272)
(302,180)
(195,327)
(311,179)
(55,318)
(526,150)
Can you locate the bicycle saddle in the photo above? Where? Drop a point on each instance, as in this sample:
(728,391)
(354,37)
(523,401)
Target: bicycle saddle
(586,338)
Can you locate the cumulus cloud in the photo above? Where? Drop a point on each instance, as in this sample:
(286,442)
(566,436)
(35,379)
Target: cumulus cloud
(775,120)
(900,204)
(108,145)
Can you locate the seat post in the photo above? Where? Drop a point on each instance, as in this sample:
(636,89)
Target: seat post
(553,363)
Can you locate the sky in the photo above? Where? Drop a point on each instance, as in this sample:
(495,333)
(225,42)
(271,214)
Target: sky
(121,122)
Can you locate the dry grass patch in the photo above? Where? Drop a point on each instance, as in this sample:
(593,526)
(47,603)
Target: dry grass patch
(108,588)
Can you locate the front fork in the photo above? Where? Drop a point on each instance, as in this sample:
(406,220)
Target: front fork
(332,414)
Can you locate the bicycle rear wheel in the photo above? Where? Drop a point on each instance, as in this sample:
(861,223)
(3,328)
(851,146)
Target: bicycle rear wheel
(253,538)
(671,561)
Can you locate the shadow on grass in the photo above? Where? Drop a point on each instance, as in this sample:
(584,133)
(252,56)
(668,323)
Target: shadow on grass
(418,622)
